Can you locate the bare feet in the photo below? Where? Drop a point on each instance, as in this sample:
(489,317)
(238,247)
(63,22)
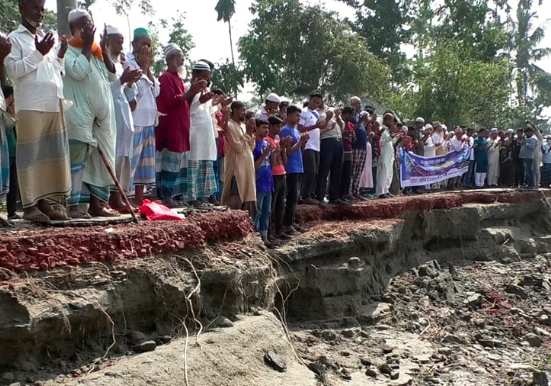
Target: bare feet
(103,212)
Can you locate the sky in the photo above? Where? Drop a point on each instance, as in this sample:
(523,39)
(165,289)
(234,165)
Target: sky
(211,37)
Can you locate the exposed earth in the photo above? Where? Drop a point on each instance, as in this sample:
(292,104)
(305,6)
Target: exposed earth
(450,289)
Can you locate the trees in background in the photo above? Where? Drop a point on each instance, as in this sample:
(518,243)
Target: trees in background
(293,49)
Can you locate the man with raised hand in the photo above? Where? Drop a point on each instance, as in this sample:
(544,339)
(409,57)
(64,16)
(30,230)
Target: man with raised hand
(145,115)
(124,89)
(91,119)
(36,70)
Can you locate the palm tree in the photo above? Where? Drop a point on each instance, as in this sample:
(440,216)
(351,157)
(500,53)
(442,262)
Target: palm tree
(63,9)
(525,41)
(226,10)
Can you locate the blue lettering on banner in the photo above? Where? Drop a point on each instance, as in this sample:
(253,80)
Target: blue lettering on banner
(417,171)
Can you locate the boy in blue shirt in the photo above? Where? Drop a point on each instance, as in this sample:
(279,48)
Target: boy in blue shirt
(264,180)
(294,166)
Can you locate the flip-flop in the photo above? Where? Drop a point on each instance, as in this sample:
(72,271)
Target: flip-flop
(36,216)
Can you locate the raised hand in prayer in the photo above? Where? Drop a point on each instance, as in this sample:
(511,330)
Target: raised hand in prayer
(130,76)
(305,138)
(46,44)
(122,57)
(88,33)
(337,114)
(145,58)
(103,40)
(197,87)
(286,142)
(206,97)
(62,46)
(267,150)
(226,101)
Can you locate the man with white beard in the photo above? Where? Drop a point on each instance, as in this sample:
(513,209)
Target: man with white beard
(172,135)
(144,115)
(124,89)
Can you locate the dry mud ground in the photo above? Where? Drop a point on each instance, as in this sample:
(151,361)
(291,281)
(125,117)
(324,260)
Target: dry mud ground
(452,289)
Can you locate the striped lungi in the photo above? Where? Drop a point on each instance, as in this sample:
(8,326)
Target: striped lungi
(171,168)
(143,160)
(201,181)
(81,191)
(43,166)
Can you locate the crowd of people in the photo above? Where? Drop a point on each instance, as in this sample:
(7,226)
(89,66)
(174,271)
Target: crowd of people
(77,107)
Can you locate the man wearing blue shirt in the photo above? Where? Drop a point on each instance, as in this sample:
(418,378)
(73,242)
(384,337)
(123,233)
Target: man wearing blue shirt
(294,167)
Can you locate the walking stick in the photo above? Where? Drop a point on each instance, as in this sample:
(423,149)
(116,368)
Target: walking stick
(118,185)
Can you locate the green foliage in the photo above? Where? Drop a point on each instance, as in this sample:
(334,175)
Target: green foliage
(10,17)
(123,7)
(458,90)
(178,35)
(228,77)
(293,49)
(225,10)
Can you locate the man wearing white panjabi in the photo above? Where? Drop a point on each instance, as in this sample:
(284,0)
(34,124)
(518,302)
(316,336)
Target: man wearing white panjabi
(124,89)
(493,145)
(201,183)
(385,168)
(91,119)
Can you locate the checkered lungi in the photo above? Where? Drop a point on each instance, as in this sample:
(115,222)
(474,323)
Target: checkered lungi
(358,164)
(201,180)
(171,168)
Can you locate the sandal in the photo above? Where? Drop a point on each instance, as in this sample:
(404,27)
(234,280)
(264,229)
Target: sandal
(55,212)
(14,217)
(36,216)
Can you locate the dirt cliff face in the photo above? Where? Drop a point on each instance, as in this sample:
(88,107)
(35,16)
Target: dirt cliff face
(102,285)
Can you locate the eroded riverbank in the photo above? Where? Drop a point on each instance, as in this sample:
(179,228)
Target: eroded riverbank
(338,280)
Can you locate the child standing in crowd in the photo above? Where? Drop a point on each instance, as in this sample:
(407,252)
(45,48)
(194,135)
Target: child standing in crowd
(278,162)
(294,167)
(264,180)
(481,157)
(348,139)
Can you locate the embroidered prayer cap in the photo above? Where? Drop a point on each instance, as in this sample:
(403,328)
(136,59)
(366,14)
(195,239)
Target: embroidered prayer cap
(172,49)
(112,30)
(76,14)
(141,32)
(273,98)
(201,66)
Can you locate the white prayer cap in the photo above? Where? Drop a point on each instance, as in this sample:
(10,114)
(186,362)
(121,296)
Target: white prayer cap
(274,98)
(201,66)
(510,131)
(494,130)
(444,127)
(171,49)
(429,126)
(405,129)
(420,120)
(363,114)
(388,115)
(76,14)
(112,30)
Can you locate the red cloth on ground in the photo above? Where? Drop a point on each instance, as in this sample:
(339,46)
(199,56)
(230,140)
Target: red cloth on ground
(173,129)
